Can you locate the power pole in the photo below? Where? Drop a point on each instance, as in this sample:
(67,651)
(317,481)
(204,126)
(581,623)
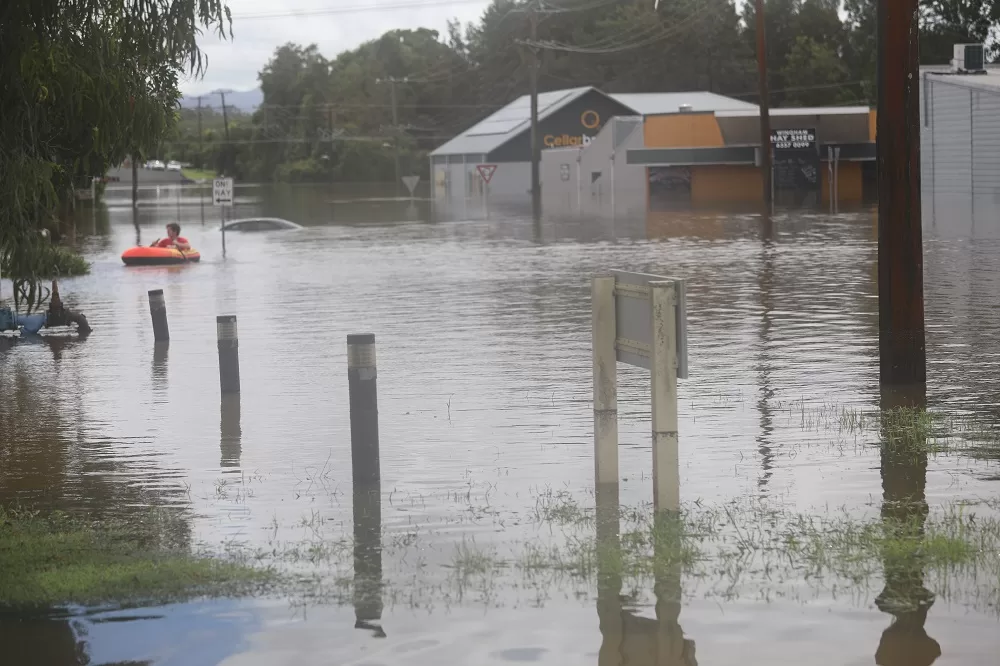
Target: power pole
(536,147)
(764,105)
(392,81)
(902,354)
(225,124)
(200,165)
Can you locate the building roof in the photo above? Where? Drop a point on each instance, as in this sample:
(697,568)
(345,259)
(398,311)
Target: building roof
(497,129)
(648,104)
(799,111)
(503,125)
(833,124)
(988,81)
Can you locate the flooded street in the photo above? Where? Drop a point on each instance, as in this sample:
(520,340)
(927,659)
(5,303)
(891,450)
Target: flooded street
(483,329)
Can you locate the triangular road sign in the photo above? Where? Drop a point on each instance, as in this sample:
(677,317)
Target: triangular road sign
(411,183)
(486,171)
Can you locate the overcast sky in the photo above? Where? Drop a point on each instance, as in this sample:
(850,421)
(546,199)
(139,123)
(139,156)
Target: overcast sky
(260,26)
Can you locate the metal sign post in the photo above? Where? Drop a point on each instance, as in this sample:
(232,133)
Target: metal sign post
(641,320)
(486,172)
(222,196)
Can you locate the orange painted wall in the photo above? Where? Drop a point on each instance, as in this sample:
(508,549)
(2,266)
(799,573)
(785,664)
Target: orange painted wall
(725,183)
(738,183)
(682,130)
(850,186)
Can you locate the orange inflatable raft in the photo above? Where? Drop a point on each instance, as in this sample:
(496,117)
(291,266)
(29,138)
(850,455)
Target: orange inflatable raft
(158,256)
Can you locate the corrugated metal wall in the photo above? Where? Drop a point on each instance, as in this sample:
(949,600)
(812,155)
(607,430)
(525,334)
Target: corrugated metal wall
(960,157)
(960,139)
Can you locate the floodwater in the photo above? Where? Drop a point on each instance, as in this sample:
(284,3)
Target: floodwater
(484,372)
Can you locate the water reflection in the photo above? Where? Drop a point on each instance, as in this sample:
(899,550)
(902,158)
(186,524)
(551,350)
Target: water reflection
(27,640)
(161,351)
(765,364)
(904,506)
(368,558)
(626,637)
(231,431)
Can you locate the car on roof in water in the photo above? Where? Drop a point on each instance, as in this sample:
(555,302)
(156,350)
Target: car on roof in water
(260,224)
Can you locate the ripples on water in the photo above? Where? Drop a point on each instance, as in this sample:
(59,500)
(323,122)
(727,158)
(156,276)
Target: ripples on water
(483,330)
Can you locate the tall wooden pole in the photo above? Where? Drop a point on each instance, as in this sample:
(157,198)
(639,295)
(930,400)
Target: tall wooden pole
(902,354)
(764,104)
(536,146)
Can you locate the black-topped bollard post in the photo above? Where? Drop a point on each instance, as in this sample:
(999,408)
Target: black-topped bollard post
(363,389)
(229,353)
(158,312)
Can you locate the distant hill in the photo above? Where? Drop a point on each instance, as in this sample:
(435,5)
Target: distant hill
(245,100)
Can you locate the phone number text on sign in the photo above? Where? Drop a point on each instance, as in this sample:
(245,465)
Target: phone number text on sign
(785,139)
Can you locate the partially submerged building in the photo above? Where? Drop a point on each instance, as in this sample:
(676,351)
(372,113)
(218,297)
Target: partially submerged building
(624,154)
(565,118)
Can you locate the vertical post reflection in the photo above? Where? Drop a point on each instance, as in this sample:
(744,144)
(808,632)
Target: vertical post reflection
(765,282)
(627,638)
(609,580)
(368,558)
(161,352)
(904,510)
(231,431)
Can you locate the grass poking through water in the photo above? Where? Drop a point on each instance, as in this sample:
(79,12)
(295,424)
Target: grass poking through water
(55,559)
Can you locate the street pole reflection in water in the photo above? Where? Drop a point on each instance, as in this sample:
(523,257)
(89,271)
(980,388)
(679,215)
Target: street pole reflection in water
(368,558)
(904,510)
(231,431)
(626,638)
(765,283)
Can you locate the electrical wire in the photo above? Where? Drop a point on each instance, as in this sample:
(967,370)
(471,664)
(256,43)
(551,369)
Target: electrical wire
(357,9)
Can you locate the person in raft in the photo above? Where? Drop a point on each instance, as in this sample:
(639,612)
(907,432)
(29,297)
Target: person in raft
(173,239)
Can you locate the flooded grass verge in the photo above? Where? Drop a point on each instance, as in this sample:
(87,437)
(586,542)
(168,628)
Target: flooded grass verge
(896,554)
(52,559)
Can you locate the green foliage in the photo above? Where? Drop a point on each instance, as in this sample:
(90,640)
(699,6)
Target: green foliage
(85,83)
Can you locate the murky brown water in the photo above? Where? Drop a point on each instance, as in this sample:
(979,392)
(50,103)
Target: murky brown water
(483,330)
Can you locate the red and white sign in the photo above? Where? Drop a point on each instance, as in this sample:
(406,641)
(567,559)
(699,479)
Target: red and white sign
(486,171)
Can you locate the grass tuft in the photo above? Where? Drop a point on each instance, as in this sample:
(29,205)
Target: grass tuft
(55,559)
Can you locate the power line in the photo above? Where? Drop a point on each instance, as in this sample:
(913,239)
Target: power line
(358,9)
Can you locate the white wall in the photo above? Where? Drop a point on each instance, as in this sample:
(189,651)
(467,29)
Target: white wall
(619,191)
(960,156)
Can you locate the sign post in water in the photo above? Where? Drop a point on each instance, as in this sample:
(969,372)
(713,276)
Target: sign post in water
(222,195)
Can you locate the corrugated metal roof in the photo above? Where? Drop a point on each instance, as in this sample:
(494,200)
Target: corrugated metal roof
(648,104)
(503,125)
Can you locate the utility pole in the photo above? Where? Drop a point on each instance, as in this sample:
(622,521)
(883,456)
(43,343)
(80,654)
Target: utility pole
(764,105)
(200,165)
(225,124)
(392,81)
(536,147)
(902,354)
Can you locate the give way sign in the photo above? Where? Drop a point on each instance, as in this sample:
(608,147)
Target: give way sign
(486,171)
